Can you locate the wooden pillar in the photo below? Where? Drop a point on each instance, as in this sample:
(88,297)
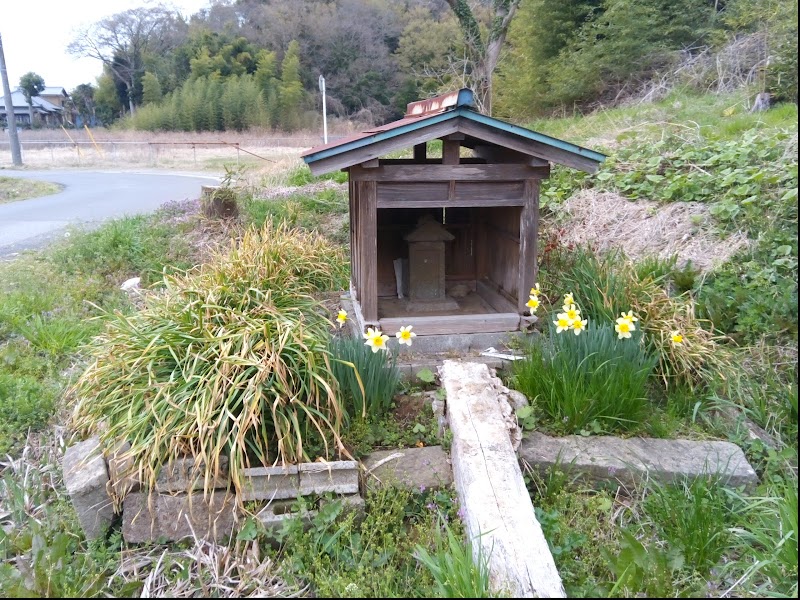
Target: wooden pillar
(420,152)
(528,242)
(355,264)
(367,235)
(451,151)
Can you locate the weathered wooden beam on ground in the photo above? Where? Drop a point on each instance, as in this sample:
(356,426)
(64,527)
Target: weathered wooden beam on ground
(498,512)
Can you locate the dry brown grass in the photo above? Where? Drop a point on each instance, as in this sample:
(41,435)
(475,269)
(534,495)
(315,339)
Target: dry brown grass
(206,570)
(606,221)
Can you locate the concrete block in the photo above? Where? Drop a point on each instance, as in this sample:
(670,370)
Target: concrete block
(123,478)
(148,518)
(339,477)
(187,475)
(605,458)
(412,468)
(86,478)
(270,483)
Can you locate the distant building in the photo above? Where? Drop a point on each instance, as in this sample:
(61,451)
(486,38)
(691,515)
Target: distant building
(48,108)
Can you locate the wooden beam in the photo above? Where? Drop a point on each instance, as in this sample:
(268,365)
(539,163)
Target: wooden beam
(420,152)
(376,149)
(460,172)
(496,154)
(451,151)
(526,146)
(370,164)
(528,235)
(497,510)
(471,160)
(367,235)
(457,137)
(452,324)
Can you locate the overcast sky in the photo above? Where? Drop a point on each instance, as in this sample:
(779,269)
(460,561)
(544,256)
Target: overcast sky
(36,33)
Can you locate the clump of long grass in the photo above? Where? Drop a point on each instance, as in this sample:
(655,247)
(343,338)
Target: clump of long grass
(367,380)
(609,284)
(451,564)
(578,379)
(229,359)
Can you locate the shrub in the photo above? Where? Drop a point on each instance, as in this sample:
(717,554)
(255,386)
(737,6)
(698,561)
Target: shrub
(367,380)
(229,359)
(578,379)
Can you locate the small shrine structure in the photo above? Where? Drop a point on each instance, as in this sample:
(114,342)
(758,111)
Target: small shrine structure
(446,243)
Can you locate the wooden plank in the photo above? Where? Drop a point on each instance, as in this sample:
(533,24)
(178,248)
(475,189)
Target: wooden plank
(526,146)
(488,190)
(376,149)
(444,194)
(528,235)
(370,164)
(493,296)
(445,203)
(452,324)
(437,172)
(497,510)
(451,151)
(420,152)
(368,241)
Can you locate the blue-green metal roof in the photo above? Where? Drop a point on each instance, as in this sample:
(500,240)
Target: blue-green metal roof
(407,125)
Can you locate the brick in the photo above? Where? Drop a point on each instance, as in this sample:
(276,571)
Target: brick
(187,475)
(149,518)
(270,483)
(339,477)
(86,480)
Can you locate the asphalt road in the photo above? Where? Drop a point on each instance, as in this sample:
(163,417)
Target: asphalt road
(88,198)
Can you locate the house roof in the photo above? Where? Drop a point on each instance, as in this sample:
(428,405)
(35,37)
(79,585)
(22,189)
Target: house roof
(18,102)
(431,119)
(53,90)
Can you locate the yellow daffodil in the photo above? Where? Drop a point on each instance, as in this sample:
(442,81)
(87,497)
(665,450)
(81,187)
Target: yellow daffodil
(376,339)
(676,337)
(535,290)
(405,335)
(572,311)
(341,318)
(578,325)
(624,328)
(533,303)
(563,323)
(568,299)
(629,316)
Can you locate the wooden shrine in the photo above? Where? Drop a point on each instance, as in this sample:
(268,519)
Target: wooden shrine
(447,244)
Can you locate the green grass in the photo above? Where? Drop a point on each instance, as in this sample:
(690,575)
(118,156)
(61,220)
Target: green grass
(14,189)
(367,380)
(589,380)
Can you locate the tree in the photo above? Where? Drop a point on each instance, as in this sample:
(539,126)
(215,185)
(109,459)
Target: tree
(31,85)
(482,56)
(290,89)
(151,89)
(123,42)
(107,104)
(83,101)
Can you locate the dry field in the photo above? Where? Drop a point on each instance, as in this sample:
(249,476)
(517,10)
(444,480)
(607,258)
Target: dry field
(261,153)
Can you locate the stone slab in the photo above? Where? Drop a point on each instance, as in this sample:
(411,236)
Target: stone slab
(149,518)
(270,483)
(606,458)
(497,511)
(409,370)
(187,475)
(412,468)
(86,480)
(339,477)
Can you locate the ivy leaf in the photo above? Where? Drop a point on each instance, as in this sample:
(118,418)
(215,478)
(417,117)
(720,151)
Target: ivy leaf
(426,376)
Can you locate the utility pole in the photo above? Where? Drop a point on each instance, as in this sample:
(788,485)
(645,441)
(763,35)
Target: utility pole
(11,118)
(324,111)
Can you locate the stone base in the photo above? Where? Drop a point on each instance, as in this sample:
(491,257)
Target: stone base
(416,469)
(432,305)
